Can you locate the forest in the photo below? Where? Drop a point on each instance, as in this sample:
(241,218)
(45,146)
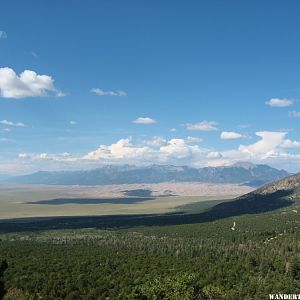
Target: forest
(209,260)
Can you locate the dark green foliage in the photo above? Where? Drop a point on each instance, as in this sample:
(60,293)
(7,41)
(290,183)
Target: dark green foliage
(196,261)
(17,294)
(3,267)
(181,287)
(293,267)
(213,292)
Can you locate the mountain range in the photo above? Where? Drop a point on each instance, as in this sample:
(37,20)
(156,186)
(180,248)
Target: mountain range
(239,173)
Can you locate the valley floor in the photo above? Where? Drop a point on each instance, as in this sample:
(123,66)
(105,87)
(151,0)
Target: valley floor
(22,201)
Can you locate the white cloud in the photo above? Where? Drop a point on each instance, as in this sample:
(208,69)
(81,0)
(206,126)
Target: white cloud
(123,149)
(160,142)
(44,156)
(23,155)
(290,144)
(214,155)
(73,123)
(230,135)
(60,157)
(157,150)
(176,147)
(271,148)
(193,139)
(144,121)
(295,114)
(265,147)
(173,129)
(179,149)
(268,150)
(202,126)
(3,34)
(10,123)
(101,92)
(156,141)
(276,102)
(27,84)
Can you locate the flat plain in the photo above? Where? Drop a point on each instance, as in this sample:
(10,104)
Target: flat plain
(21,201)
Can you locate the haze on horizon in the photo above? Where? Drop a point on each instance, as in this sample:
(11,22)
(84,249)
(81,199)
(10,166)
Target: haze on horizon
(161,82)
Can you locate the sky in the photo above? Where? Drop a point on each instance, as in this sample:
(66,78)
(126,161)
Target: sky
(198,83)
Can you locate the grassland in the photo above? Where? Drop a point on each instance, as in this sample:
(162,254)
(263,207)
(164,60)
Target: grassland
(18,201)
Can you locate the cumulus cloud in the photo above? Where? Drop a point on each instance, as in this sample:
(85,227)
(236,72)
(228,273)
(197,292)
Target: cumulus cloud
(3,34)
(271,148)
(123,149)
(73,123)
(101,92)
(144,121)
(164,144)
(157,150)
(214,155)
(10,123)
(162,151)
(202,126)
(174,151)
(27,84)
(156,141)
(290,144)
(193,139)
(266,146)
(179,149)
(276,102)
(230,135)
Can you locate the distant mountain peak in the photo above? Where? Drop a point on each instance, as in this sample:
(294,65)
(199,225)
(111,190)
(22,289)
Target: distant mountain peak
(240,173)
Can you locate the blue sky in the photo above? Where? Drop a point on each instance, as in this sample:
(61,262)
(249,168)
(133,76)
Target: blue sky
(198,83)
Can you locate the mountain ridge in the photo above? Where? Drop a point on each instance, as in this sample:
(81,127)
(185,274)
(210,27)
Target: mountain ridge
(272,196)
(238,173)
(289,184)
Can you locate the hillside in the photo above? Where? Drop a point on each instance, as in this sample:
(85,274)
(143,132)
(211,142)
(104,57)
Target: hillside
(239,173)
(282,193)
(289,185)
